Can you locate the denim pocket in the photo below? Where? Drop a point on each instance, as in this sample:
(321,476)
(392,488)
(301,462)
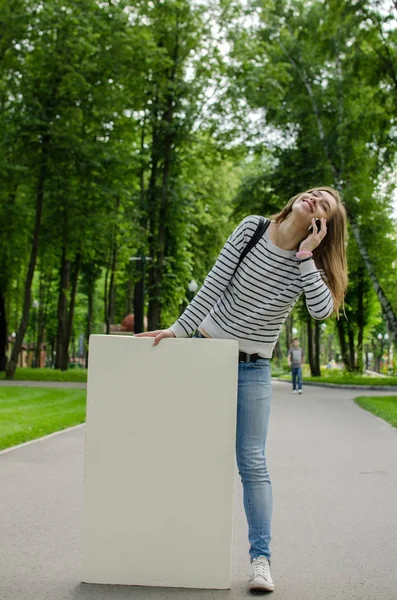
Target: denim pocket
(262,363)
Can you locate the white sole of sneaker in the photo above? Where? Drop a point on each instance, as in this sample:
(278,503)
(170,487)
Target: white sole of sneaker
(261,587)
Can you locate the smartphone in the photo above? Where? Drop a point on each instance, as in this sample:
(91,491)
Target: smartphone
(318,224)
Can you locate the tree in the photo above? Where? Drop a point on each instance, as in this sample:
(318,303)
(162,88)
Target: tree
(322,94)
(63,106)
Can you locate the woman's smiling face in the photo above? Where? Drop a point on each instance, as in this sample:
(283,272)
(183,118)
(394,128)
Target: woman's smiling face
(316,204)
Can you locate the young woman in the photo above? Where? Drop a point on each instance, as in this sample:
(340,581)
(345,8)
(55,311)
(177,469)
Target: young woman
(303,250)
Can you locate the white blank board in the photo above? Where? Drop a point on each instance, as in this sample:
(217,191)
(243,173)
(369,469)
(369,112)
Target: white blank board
(160,462)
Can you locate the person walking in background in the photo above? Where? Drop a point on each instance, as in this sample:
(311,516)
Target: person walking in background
(296,359)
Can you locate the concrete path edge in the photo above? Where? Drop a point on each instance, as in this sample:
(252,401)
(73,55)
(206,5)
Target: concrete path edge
(391,388)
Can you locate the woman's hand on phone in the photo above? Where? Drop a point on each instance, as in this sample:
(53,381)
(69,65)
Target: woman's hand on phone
(316,236)
(158,335)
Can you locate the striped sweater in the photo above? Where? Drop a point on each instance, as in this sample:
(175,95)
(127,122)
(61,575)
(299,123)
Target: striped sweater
(252,306)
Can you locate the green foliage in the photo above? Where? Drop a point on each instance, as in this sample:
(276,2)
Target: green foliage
(280,367)
(322,74)
(30,413)
(28,374)
(153,142)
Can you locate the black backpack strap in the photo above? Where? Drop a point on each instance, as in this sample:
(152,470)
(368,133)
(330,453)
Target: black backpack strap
(260,230)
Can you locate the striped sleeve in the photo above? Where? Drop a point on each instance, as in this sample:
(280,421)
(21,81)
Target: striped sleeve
(319,300)
(217,279)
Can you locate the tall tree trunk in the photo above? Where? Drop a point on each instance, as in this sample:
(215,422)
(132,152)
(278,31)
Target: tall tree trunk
(37,353)
(3,332)
(352,354)
(90,312)
(316,358)
(72,303)
(153,309)
(12,364)
(342,342)
(52,351)
(5,304)
(366,356)
(360,318)
(277,352)
(47,303)
(376,355)
(129,297)
(139,288)
(288,332)
(45,283)
(157,268)
(168,155)
(310,344)
(153,214)
(64,286)
(110,288)
(139,304)
(105,297)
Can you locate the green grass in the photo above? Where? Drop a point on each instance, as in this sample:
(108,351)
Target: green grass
(28,374)
(349,379)
(384,407)
(30,413)
(277,371)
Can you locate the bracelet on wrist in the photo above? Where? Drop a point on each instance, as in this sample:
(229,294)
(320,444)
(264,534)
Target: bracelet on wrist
(306,254)
(301,260)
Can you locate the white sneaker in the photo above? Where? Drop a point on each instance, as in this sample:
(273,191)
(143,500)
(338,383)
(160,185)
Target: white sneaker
(299,391)
(260,578)
(294,391)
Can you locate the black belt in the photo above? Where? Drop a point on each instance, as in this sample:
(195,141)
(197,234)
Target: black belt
(244,357)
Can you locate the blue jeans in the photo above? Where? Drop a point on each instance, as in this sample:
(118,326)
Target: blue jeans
(253,410)
(296,377)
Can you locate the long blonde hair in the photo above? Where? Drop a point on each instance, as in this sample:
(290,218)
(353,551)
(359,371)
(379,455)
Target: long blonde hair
(330,255)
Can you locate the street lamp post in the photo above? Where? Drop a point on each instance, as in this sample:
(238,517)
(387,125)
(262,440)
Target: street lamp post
(380,338)
(387,340)
(13,336)
(35,305)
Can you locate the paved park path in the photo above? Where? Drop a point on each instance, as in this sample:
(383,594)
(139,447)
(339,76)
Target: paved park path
(334,472)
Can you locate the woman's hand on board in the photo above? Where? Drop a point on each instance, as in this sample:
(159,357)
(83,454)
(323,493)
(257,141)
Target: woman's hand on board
(316,236)
(158,335)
